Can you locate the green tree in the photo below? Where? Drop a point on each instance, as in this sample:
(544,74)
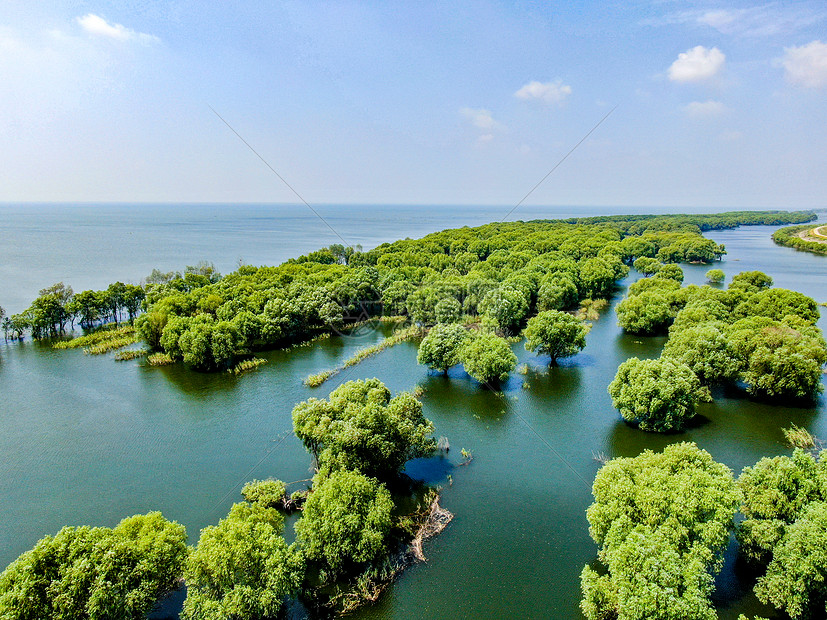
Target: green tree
(447,310)
(557,292)
(649,312)
(506,307)
(87,307)
(780,360)
(662,522)
(242,568)
(598,276)
(96,572)
(268,493)
(488,358)
(647,266)
(776,491)
(361,428)
(706,350)
(441,348)
(670,271)
(716,276)
(659,395)
(555,333)
(751,281)
(796,579)
(345,522)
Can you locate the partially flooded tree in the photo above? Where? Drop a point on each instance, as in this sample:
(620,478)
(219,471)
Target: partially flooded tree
(658,395)
(360,427)
(555,333)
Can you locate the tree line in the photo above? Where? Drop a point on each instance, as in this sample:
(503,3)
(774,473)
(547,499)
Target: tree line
(789,237)
(503,272)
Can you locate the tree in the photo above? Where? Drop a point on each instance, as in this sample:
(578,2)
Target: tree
(557,292)
(670,271)
(649,312)
(659,395)
(242,568)
(598,276)
(506,307)
(705,349)
(96,572)
(776,491)
(751,281)
(345,522)
(780,360)
(796,579)
(361,428)
(441,348)
(662,522)
(49,313)
(488,358)
(447,310)
(716,276)
(647,266)
(267,493)
(555,333)
(778,303)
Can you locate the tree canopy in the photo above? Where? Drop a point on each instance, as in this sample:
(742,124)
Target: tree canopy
(659,395)
(442,347)
(488,358)
(555,333)
(662,522)
(361,428)
(96,572)
(345,521)
(242,568)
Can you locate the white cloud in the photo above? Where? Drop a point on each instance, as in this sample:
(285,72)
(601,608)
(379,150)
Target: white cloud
(756,21)
(99,27)
(548,92)
(697,64)
(479,117)
(806,65)
(705,109)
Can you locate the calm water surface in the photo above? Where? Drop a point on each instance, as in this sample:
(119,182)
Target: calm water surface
(88,441)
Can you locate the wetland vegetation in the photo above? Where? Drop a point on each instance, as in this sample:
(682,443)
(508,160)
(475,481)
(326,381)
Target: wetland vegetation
(662,520)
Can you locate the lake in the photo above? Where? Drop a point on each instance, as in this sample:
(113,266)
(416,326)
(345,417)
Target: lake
(89,441)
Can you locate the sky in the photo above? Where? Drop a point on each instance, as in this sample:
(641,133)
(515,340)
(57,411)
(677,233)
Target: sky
(714,103)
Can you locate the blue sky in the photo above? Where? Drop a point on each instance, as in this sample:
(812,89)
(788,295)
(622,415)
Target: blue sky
(718,103)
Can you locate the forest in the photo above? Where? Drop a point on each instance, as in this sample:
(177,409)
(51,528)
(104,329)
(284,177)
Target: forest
(661,520)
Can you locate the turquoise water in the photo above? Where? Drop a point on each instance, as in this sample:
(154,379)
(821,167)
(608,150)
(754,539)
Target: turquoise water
(89,441)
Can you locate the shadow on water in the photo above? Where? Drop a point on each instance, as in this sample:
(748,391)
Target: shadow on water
(459,394)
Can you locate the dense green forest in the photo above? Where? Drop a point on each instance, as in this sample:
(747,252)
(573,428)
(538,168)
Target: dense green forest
(661,520)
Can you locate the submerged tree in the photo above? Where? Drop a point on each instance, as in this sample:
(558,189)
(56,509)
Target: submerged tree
(556,333)
(345,522)
(488,358)
(242,567)
(96,572)
(441,348)
(716,276)
(662,522)
(659,395)
(361,428)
